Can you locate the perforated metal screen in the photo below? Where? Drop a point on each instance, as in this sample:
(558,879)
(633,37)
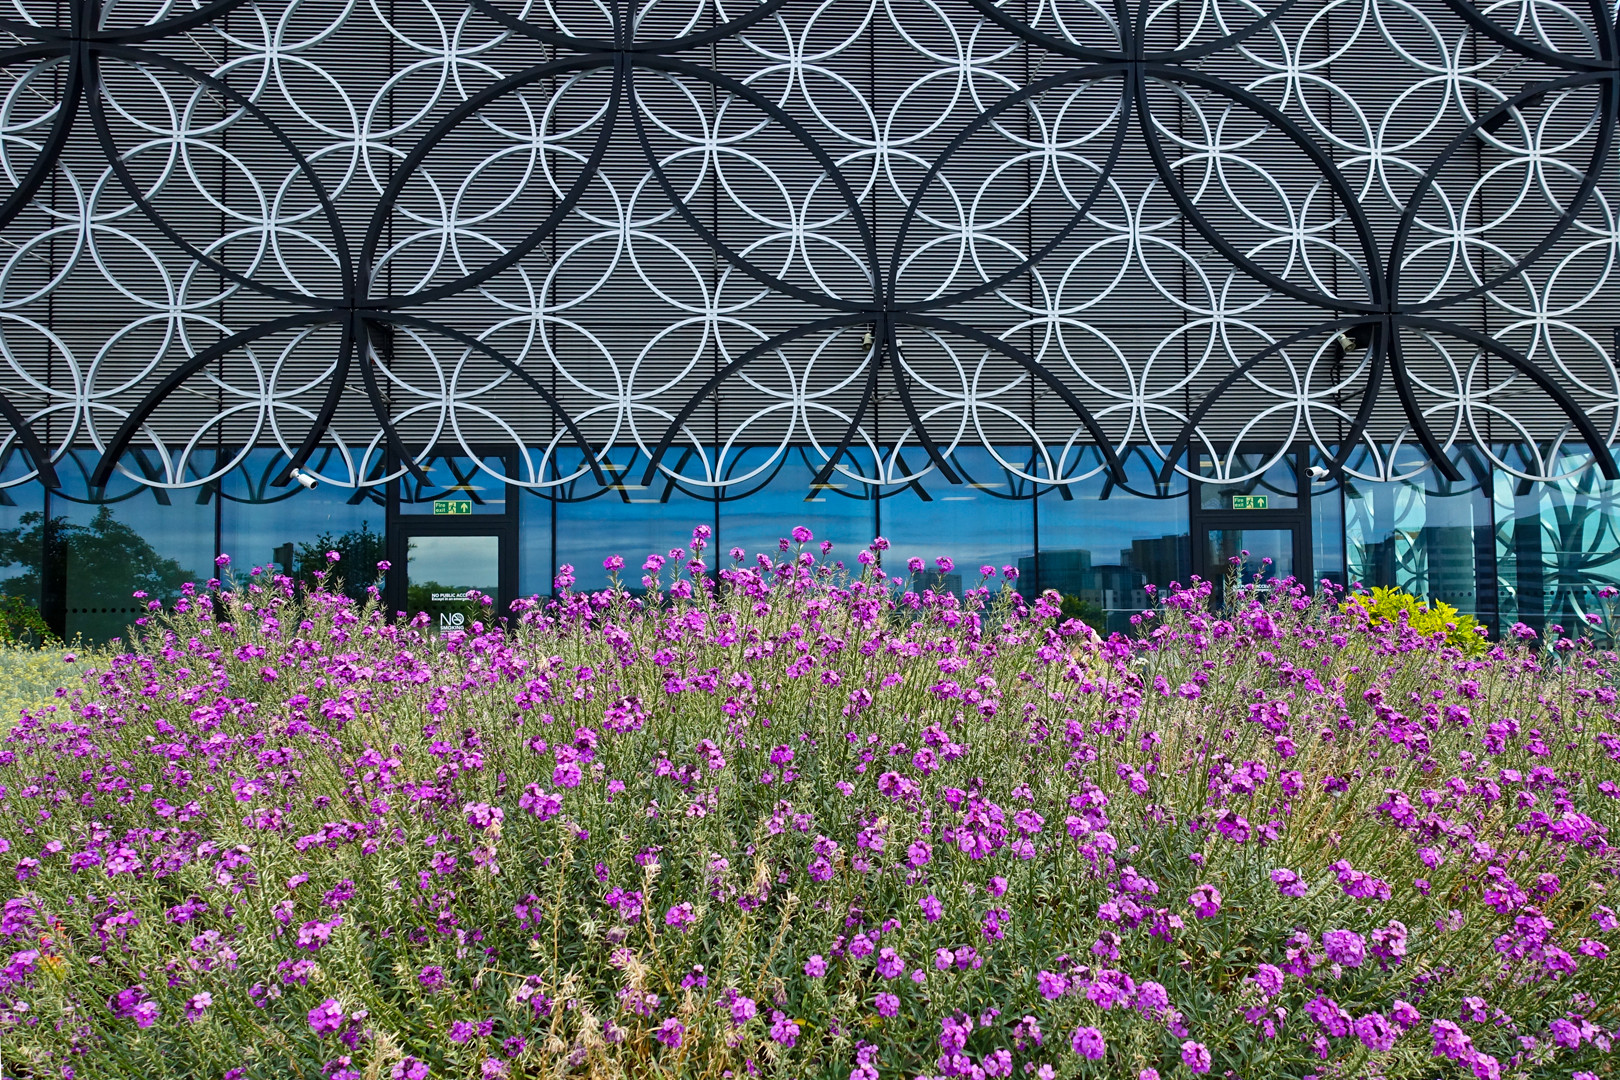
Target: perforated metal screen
(885,230)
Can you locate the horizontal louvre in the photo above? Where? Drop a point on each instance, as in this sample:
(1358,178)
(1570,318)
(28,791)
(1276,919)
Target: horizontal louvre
(995,200)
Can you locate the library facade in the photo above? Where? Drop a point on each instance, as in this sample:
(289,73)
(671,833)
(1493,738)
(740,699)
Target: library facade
(1109,293)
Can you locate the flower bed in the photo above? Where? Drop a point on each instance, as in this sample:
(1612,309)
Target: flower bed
(799,822)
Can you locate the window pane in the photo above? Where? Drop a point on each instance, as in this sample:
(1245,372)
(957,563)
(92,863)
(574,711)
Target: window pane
(22,517)
(981,521)
(1425,535)
(1261,553)
(125,538)
(1277,486)
(439,572)
(773,495)
(1557,543)
(1106,543)
(625,518)
(535,565)
(456,487)
(1327,529)
(291,529)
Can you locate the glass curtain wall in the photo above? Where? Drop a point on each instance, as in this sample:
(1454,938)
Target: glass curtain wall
(1424,534)
(987,520)
(774,489)
(623,517)
(1557,543)
(289,530)
(1102,544)
(125,538)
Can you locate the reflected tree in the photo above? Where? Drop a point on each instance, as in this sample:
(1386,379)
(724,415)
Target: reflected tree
(104,558)
(359,552)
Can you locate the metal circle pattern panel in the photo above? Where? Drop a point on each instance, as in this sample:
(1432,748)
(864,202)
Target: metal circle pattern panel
(704,235)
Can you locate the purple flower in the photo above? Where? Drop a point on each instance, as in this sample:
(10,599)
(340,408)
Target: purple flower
(681,916)
(802,535)
(783,1030)
(1088,1043)
(326,1017)
(1289,883)
(671,1033)
(743,1009)
(1052,986)
(1450,1041)
(1565,1034)
(1376,1033)
(1152,998)
(146,1014)
(886,1004)
(197,1004)
(312,935)
(409,1068)
(1344,947)
(1269,979)
(932,909)
(815,967)
(1195,1055)
(1205,901)
(432,977)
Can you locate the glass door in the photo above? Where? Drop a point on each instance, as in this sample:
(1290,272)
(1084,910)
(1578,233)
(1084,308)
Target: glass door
(452,543)
(1259,527)
(455,579)
(1267,553)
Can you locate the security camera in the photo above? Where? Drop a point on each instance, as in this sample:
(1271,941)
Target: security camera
(1354,339)
(304,479)
(1317,474)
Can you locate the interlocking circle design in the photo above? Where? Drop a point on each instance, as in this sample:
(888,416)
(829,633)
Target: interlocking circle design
(699,236)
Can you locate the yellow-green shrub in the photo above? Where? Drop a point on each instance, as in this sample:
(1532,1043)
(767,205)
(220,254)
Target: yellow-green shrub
(1427,617)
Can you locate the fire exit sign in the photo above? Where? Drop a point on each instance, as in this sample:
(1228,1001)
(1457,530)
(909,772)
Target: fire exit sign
(452,506)
(1249,502)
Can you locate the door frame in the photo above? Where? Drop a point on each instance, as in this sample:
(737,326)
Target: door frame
(504,526)
(1298,519)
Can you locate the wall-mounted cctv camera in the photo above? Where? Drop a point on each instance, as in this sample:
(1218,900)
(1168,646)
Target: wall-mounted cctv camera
(1354,339)
(307,481)
(1317,474)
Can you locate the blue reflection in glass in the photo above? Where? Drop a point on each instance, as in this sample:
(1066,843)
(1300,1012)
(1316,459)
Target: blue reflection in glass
(1425,535)
(124,538)
(1327,526)
(774,493)
(1278,484)
(988,519)
(624,518)
(22,515)
(1557,543)
(455,487)
(290,529)
(1102,544)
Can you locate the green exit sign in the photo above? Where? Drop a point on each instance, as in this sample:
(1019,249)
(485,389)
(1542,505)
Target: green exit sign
(452,506)
(1249,502)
